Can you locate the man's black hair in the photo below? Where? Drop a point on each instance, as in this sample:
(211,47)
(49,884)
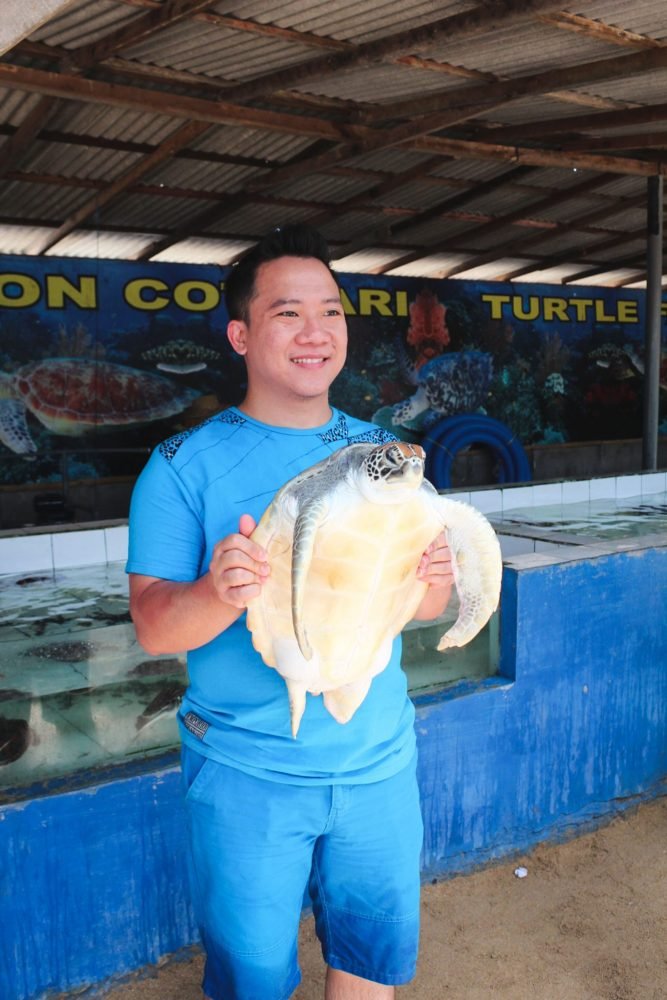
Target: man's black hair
(293,240)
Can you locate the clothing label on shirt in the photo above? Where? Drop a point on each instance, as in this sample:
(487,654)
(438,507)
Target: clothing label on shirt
(195,725)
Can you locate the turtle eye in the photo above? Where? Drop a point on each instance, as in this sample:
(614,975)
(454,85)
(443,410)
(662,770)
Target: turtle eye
(393,455)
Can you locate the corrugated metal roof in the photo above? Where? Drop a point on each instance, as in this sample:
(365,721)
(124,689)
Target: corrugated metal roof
(84,22)
(429,267)
(347,65)
(204,251)
(101,245)
(350,19)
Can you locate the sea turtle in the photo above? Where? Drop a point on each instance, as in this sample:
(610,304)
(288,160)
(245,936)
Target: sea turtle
(344,539)
(72,395)
(456,382)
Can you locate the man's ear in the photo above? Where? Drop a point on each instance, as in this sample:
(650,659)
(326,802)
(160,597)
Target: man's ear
(237,335)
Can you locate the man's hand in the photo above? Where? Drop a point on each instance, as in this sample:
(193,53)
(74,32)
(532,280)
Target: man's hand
(435,569)
(239,566)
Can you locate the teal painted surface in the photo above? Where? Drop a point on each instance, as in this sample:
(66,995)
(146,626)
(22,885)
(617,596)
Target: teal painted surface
(93,885)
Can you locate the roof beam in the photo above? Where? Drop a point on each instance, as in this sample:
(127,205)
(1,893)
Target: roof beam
(174,105)
(607,33)
(535,157)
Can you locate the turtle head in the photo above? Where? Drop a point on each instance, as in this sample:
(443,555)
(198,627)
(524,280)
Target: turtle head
(391,470)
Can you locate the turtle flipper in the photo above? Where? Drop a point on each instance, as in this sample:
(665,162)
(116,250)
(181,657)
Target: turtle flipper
(477,568)
(296,692)
(14,431)
(309,519)
(343,702)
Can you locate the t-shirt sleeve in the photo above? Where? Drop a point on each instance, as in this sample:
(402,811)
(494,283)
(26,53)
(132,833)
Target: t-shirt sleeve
(166,536)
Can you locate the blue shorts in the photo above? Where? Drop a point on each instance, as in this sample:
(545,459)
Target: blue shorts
(255,847)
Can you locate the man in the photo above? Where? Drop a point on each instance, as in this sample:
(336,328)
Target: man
(336,809)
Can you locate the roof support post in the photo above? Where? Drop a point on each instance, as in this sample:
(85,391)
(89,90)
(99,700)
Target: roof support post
(652,330)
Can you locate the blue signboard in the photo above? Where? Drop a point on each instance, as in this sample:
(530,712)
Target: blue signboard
(103,359)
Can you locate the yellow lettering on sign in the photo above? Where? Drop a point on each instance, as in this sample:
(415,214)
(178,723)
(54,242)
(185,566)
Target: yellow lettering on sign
(600,315)
(59,289)
(496,302)
(627,311)
(183,296)
(348,308)
(533,310)
(581,307)
(401,303)
(374,300)
(136,293)
(555,309)
(29,291)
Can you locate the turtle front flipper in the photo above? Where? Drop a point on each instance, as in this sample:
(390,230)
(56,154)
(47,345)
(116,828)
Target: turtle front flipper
(477,568)
(14,431)
(309,519)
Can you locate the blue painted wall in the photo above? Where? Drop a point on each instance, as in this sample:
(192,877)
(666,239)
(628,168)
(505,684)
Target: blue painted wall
(92,883)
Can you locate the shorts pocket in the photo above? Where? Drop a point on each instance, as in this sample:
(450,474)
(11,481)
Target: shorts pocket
(196,772)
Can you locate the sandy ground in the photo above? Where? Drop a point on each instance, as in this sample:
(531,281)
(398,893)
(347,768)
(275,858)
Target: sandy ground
(589,922)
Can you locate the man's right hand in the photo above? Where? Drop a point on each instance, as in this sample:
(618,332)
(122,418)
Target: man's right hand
(239,566)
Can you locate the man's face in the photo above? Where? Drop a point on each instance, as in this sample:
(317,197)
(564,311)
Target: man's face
(295,340)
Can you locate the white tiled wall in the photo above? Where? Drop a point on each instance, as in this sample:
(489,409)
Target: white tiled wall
(26,554)
(61,549)
(495,501)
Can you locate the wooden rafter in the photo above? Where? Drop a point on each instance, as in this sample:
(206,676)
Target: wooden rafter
(609,34)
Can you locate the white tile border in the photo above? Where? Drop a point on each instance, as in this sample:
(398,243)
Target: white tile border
(487,501)
(116,540)
(628,486)
(654,482)
(25,554)
(79,548)
(498,501)
(576,491)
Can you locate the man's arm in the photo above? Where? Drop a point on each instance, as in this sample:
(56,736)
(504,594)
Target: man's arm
(171,617)
(435,568)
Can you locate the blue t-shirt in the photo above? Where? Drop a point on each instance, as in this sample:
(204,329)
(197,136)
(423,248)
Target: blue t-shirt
(190,495)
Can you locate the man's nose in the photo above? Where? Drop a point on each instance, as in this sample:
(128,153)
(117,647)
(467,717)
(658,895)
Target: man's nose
(313,329)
